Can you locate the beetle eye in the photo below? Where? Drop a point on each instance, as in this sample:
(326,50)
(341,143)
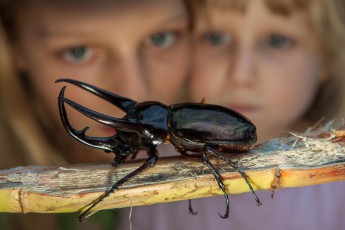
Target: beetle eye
(77,55)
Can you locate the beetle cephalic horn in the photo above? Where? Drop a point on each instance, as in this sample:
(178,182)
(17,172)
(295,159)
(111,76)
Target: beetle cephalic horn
(123,103)
(104,143)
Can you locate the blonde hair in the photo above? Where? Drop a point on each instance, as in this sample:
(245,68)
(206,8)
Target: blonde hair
(22,138)
(328,19)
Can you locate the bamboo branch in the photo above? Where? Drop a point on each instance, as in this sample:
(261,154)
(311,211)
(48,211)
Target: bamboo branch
(297,160)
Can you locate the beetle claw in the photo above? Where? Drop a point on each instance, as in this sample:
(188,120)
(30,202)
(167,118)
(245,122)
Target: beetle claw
(190,208)
(226,215)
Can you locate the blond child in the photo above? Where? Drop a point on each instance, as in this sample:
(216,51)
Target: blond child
(101,44)
(138,49)
(277,62)
(280,63)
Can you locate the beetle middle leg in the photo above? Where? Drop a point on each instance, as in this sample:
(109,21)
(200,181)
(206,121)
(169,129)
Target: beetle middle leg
(218,178)
(193,157)
(213,152)
(150,162)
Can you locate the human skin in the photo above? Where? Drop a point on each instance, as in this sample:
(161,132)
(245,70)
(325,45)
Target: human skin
(114,46)
(264,65)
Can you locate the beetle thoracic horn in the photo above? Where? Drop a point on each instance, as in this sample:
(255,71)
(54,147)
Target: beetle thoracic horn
(123,103)
(116,123)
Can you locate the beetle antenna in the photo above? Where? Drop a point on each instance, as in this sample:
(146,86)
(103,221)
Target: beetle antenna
(203,101)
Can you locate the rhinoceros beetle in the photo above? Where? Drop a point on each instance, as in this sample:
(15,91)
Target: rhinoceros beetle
(196,130)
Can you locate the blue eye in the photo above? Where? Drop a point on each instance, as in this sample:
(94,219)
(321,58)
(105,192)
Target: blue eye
(161,40)
(217,38)
(77,55)
(279,41)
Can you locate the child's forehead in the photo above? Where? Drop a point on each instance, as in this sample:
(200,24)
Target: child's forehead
(258,13)
(86,10)
(282,7)
(62,18)
(100,5)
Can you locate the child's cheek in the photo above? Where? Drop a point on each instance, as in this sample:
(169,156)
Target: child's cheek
(290,103)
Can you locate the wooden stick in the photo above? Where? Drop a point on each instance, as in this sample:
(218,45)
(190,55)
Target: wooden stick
(296,160)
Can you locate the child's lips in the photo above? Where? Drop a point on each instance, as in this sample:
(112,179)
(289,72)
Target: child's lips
(244,109)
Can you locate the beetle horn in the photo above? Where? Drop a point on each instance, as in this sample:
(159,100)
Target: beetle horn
(105,143)
(123,103)
(113,122)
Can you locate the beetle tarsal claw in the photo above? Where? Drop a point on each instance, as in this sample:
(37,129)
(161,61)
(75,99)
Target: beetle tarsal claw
(86,215)
(190,208)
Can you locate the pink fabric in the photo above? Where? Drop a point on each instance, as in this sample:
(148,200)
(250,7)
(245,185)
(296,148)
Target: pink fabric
(320,207)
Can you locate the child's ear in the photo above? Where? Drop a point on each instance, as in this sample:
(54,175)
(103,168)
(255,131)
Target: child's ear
(20,61)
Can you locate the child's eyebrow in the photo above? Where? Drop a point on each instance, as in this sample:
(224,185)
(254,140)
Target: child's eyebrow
(174,19)
(44,32)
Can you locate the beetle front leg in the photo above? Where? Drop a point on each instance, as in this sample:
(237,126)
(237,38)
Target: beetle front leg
(213,152)
(150,162)
(122,152)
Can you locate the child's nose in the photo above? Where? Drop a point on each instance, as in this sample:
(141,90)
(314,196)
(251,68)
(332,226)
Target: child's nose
(130,71)
(242,68)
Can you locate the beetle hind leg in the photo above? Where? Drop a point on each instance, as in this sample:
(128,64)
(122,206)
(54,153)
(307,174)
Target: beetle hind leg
(213,152)
(221,185)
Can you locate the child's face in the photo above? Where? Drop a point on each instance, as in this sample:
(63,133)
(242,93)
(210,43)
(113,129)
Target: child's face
(264,65)
(137,49)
